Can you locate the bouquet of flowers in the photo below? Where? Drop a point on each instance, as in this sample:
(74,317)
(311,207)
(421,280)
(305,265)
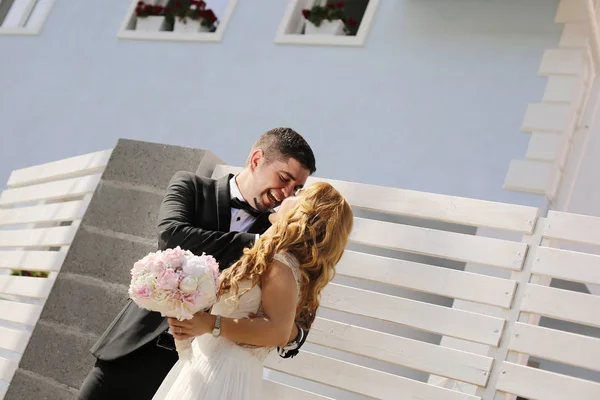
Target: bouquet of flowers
(177,284)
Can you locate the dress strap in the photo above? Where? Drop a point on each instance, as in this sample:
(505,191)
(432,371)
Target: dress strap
(291,261)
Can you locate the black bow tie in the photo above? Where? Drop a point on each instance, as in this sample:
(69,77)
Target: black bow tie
(242,205)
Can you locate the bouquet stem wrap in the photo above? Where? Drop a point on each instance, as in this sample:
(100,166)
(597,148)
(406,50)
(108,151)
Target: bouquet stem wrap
(184,349)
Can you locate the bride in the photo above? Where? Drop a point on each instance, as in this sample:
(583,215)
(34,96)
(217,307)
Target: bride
(279,279)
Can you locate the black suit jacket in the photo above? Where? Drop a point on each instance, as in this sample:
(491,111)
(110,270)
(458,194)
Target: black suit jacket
(195,214)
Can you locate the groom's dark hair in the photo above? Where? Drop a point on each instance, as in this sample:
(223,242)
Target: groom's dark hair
(281,144)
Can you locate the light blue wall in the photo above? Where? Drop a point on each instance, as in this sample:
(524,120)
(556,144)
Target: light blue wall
(433,102)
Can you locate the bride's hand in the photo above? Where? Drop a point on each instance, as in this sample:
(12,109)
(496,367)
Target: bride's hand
(200,324)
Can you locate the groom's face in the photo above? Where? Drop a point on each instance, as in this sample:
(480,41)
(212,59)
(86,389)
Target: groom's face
(275,181)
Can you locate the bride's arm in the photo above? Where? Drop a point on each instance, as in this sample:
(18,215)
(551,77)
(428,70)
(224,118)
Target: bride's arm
(279,297)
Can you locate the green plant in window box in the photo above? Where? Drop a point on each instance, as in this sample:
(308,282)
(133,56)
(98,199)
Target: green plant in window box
(35,274)
(195,10)
(318,14)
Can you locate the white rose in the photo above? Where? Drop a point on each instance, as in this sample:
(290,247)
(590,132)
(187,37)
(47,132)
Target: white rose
(188,284)
(193,7)
(194,267)
(207,287)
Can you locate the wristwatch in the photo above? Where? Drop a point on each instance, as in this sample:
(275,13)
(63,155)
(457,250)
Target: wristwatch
(217,329)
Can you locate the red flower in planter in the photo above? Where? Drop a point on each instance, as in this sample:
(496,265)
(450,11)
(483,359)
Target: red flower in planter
(341,4)
(306,13)
(352,22)
(208,15)
(146,10)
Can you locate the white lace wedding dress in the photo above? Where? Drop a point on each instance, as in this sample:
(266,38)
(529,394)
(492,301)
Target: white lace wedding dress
(220,368)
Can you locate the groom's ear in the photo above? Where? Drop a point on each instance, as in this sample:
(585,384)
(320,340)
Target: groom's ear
(255,158)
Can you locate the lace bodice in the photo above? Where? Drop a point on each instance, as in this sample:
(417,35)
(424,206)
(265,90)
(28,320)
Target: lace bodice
(292,262)
(250,301)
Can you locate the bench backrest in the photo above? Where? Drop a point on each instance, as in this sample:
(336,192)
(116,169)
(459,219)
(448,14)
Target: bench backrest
(40,212)
(381,321)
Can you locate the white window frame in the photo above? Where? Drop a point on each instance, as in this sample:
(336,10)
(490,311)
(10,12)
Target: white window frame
(24,30)
(215,36)
(295,6)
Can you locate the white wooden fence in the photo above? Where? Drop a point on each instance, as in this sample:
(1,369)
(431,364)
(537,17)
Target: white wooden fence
(507,336)
(39,215)
(354,347)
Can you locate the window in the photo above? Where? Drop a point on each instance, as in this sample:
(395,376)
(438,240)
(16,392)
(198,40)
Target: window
(187,20)
(340,23)
(23,17)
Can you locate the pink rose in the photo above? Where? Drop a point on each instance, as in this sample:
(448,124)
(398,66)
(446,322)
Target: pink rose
(156,267)
(143,292)
(168,280)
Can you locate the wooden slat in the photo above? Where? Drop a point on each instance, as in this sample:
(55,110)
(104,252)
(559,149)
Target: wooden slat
(26,314)
(428,317)
(13,340)
(567,265)
(576,228)
(7,369)
(358,379)
(550,344)
(40,237)
(536,177)
(533,383)
(32,260)
(3,390)
(58,212)
(563,89)
(86,164)
(442,244)
(570,11)
(562,62)
(562,304)
(431,206)
(428,278)
(550,117)
(278,391)
(574,36)
(543,146)
(50,191)
(426,357)
(38,288)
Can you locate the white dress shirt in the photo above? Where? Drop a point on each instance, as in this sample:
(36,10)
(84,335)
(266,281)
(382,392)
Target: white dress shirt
(241,220)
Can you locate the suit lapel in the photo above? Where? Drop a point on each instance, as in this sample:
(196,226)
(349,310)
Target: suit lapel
(261,224)
(223,200)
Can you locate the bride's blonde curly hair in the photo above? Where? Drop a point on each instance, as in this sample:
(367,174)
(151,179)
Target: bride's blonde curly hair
(315,231)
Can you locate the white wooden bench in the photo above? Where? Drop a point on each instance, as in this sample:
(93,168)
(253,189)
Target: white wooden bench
(505,336)
(40,212)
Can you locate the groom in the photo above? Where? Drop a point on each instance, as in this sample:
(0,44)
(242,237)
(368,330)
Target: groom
(219,217)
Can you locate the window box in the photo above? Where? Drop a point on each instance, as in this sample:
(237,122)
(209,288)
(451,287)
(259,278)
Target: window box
(23,17)
(296,28)
(181,20)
